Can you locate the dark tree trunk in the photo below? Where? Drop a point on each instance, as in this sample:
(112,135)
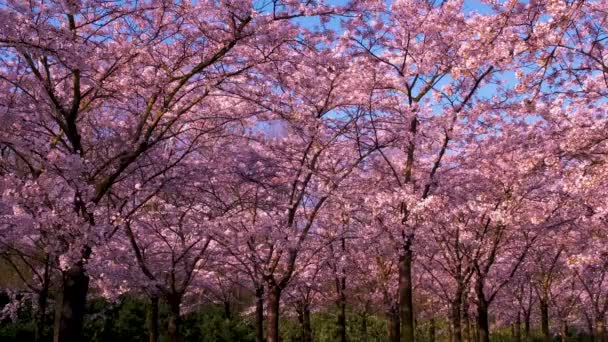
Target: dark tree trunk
(41,317)
(259,313)
(227,310)
(564,332)
(393,325)
(307,326)
(304,318)
(456,323)
(482,321)
(466,320)
(175,320)
(70,312)
(342,318)
(406,304)
(544,319)
(340,279)
(527,336)
(482,312)
(272,324)
(153,319)
(432,330)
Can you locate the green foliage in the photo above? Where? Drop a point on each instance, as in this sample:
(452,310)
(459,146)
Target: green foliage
(506,334)
(210,324)
(125,321)
(121,321)
(20,330)
(23,328)
(324,329)
(423,330)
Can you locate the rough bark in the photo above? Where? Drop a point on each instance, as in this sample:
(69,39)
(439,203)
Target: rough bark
(482,322)
(406,304)
(173,329)
(482,312)
(393,325)
(544,319)
(455,320)
(272,324)
(70,311)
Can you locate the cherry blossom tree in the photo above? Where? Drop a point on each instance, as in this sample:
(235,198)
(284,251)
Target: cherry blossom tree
(417,160)
(108,84)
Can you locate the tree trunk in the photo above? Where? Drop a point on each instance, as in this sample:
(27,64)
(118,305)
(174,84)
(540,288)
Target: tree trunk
(341,318)
(406,304)
(340,278)
(227,310)
(432,330)
(272,324)
(465,320)
(41,318)
(600,330)
(393,325)
(590,329)
(153,319)
(482,322)
(456,323)
(544,319)
(518,328)
(70,312)
(564,332)
(259,313)
(527,336)
(482,312)
(175,320)
(307,326)
(304,318)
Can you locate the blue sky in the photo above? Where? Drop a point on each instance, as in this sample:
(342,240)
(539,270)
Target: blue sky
(469,6)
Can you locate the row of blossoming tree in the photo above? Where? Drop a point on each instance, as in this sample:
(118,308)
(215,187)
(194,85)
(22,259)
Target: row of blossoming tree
(425,161)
